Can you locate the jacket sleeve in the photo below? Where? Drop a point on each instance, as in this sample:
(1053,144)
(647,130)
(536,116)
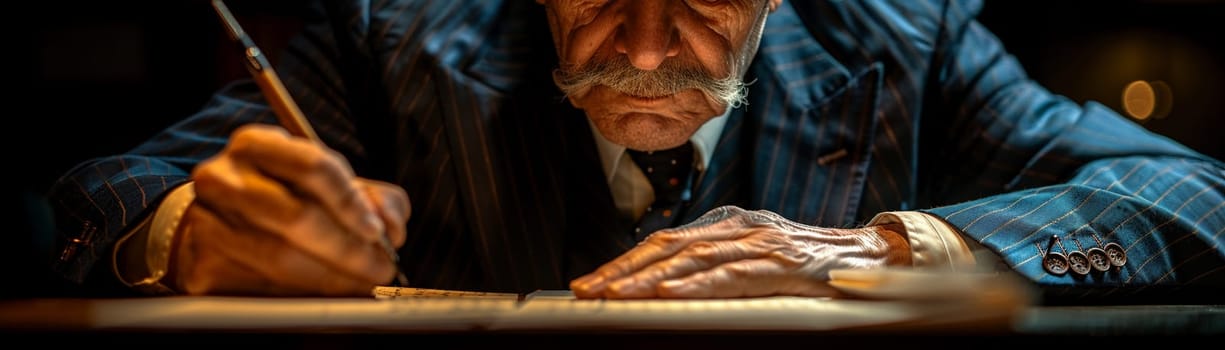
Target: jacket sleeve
(99,200)
(1061,177)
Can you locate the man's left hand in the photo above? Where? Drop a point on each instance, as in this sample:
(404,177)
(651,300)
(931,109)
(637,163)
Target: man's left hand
(731,252)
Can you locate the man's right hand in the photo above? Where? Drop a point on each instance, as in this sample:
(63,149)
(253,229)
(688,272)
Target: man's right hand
(281,215)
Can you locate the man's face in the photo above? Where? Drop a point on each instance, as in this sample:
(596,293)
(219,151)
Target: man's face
(650,72)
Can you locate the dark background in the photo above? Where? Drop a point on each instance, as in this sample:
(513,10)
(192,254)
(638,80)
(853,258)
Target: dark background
(95,78)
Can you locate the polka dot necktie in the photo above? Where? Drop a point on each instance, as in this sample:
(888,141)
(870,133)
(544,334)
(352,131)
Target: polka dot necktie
(669,172)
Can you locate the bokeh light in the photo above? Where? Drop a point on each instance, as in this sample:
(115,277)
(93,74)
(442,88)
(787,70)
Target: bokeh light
(1143,100)
(1139,99)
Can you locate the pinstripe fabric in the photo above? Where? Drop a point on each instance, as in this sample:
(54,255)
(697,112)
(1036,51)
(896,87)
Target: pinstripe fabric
(914,106)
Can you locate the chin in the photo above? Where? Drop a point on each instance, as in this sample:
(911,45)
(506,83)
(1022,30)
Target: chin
(645,131)
(646,123)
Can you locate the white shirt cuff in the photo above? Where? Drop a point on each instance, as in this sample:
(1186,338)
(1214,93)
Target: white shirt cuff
(157,236)
(933,243)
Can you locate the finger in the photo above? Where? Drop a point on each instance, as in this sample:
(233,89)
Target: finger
(699,256)
(243,196)
(250,201)
(279,267)
(312,170)
(393,206)
(391,203)
(321,236)
(745,278)
(657,246)
(273,266)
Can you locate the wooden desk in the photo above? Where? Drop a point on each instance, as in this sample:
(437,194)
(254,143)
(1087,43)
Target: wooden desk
(917,308)
(350,323)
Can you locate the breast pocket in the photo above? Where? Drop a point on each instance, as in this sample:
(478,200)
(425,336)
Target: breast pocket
(811,163)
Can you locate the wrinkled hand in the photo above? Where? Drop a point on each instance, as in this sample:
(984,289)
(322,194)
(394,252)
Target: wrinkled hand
(731,252)
(280,215)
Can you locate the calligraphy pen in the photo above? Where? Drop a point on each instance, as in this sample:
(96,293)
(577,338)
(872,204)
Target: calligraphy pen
(287,112)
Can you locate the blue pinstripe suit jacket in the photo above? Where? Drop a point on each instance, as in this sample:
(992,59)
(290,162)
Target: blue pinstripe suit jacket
(453,100)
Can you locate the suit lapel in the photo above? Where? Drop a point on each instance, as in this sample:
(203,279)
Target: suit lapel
(531,185)
(803,141)
(510,153)
(595,234)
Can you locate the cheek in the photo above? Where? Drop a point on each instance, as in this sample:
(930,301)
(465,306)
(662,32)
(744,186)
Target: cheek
(711,49)
(735,36)
(579,29)
(723,40)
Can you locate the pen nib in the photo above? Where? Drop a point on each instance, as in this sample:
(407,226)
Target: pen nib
(401,279)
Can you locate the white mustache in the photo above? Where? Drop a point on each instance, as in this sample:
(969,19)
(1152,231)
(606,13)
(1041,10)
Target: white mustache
(670,78)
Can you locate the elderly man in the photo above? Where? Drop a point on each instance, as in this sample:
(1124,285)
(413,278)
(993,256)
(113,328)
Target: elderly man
(651,148)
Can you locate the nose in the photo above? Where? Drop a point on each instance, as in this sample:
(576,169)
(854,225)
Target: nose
(648,34)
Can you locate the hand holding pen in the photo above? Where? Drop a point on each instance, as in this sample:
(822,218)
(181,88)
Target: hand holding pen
(280,213)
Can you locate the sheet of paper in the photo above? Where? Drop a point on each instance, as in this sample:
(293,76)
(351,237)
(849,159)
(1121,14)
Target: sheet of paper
(408,292)
(770,313)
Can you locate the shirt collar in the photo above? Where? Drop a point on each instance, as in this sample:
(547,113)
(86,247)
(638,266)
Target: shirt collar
(704,141)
